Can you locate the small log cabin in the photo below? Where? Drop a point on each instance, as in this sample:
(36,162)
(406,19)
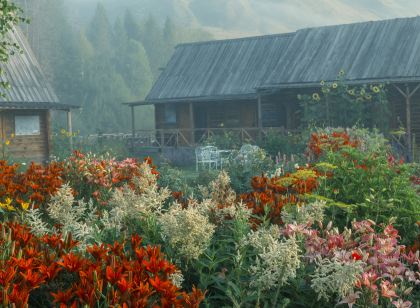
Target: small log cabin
(25,109)
(254,82)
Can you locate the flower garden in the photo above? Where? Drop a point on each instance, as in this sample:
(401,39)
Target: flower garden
(340,228)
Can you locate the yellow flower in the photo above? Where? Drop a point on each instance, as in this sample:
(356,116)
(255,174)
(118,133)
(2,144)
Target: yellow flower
(316,96)
(304,174)
(7,142)
(25,205)
(362,92)
(63,131)
(341,73)
(368,97)
(322,83)
(7,205)
(12,136)
(375,89)
(334,85)
(351,92)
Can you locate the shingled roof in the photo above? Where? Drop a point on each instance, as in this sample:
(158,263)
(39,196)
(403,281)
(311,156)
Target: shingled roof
(387,50)
(29,86)
(378,51)
(210,70)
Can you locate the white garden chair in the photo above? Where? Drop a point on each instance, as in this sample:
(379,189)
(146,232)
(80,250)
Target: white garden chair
(207,156)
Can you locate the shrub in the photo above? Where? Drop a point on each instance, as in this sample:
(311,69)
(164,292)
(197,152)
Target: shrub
(371,180)
(275,142)
(243,165)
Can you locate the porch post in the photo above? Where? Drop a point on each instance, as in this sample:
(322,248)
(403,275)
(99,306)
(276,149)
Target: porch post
(133,122)
(408,119)
(192,125)
(70,129)
(259,113)
(407,94)
(133,127)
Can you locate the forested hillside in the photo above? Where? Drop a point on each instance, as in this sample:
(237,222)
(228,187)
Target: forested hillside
(230,18)
(103,62)
(99,55)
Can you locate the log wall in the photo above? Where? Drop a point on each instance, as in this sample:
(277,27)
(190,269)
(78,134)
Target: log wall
(32,147)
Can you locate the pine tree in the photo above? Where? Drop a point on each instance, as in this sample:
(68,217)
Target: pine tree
(153,42)
(132,27)
(100,33)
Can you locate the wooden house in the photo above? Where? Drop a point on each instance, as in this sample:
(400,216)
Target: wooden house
(25,121)
(252,83)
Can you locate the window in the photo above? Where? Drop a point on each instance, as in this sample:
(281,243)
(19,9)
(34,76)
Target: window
(27,125)
(170,114)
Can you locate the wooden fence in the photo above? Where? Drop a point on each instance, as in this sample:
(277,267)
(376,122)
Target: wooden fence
(160,138)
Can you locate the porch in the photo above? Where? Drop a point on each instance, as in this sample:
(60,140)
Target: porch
(192,137)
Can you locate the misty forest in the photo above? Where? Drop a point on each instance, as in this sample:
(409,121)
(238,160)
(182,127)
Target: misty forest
(210,153)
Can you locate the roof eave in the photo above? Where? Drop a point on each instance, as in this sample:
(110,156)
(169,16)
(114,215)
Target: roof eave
(396,80)
(37,105)
(199,99)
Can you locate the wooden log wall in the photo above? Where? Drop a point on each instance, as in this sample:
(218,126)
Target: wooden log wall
(281,109)
(31,148)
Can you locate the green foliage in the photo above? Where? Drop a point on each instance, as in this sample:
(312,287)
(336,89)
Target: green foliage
(99,146)
(275,142)
(341,104)
(185,180)
(375,185)
(227,139)
(243,166)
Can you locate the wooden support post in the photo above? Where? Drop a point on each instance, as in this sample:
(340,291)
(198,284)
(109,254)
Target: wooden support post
(259,114)
(49,133)
(133,123)
(133,127)
(407,94)
(408,119)
(192,125)
(70,129)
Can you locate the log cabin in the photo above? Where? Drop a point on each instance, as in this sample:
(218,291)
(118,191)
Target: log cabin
(25,108)
(253,83)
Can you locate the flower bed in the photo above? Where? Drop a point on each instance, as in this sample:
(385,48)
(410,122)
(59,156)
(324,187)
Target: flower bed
(95,231)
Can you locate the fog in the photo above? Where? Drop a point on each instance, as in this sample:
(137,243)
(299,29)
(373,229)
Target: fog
(232,18)
(98,54)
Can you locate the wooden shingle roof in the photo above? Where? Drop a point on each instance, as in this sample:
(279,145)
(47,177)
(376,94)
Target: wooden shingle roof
(29,86)
(378,51)
(210,70)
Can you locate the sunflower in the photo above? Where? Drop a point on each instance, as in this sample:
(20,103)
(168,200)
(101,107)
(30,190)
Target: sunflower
(316,97)
(375,89)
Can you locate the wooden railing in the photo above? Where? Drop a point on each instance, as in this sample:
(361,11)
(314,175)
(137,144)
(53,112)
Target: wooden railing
(192,137)
(187,137)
